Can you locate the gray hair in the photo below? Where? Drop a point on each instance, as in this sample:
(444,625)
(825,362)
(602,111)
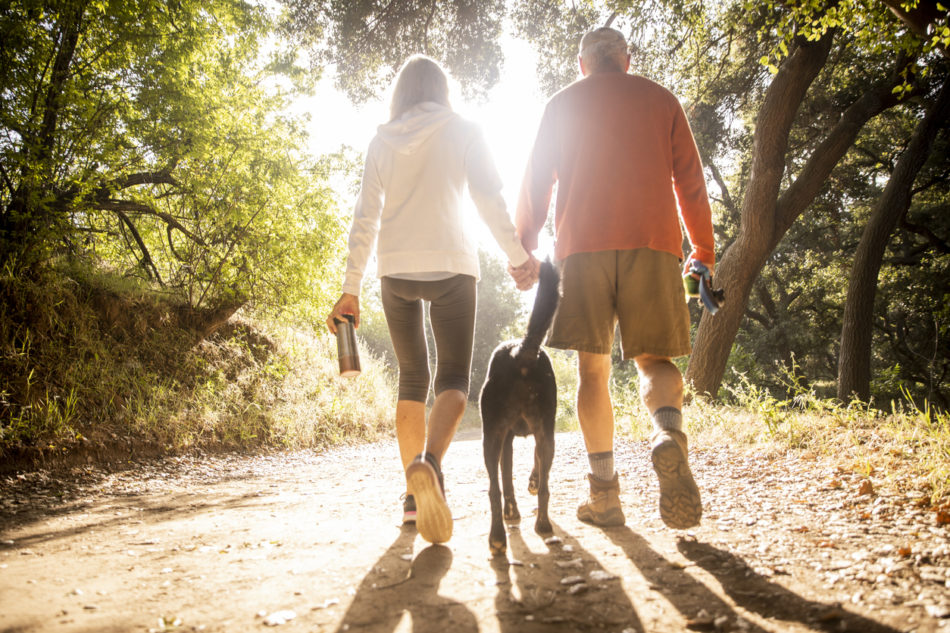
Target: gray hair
(420,79)
(604,48)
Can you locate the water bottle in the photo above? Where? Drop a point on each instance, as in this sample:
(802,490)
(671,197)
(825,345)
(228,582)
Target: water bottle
(347,352)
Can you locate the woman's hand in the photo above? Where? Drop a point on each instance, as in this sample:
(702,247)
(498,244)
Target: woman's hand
(526,274)
(346,304)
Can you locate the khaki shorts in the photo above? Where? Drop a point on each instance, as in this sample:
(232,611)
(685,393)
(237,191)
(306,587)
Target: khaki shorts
(640,289)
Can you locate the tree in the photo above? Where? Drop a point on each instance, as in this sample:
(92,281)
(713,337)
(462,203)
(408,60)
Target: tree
(782,92)
(150,136)
(854,367)
(768,211)
(366,41)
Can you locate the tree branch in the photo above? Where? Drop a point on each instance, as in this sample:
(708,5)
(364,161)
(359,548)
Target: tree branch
(425,30)
(762,319)
(146,256)
(7,181)
(162,177)
(727,200)
(926,233)
(140,208)
(794,200)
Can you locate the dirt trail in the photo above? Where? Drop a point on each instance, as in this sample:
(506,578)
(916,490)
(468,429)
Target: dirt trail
(235,543)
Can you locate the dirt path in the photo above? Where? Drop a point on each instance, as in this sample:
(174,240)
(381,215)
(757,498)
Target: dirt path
(232,543)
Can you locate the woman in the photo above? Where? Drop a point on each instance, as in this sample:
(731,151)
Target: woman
(417,167)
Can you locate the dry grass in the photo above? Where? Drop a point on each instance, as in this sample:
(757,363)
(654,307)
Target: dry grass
(86,362)
(88,365)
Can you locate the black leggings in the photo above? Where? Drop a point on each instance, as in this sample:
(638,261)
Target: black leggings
(452,316)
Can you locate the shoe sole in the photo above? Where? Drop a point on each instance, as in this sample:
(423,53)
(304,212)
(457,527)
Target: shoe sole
(680,505)
(433,518)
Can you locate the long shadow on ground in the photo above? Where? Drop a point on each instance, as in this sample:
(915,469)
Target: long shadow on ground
(756,593)
(749,590)
(532,599)
(381,600)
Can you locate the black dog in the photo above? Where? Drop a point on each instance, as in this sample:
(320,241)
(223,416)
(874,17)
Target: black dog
(520,398)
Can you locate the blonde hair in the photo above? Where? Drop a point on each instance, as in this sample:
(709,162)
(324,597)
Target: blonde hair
(420,79)
(603,48)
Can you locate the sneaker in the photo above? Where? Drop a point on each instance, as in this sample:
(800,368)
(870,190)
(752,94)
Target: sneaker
(602,508)
(408,509)
(680,505)
(433,518)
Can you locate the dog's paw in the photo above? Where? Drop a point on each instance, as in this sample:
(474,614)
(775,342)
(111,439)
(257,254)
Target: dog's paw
(497,547)
(543,526)
(511,512)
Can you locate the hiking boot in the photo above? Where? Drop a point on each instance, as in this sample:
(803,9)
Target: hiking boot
(680,505)
(433,518)
(602,508)
(408,509)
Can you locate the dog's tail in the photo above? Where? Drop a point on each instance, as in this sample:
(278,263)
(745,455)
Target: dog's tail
(545,303)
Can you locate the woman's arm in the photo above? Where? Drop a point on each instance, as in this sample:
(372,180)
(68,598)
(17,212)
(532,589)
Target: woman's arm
(484,184)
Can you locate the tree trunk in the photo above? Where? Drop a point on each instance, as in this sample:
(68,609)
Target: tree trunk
(24,222)
(766,216)
(854,358)
(741,262)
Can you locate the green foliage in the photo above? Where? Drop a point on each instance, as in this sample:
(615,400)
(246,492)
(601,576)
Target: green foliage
(366,41)
(84,365)
(555,28)
(151,137)
(565,374)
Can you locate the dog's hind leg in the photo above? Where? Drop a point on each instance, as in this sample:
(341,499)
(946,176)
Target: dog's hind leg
(507,486)
(544,456)
(533,479)
(497,539)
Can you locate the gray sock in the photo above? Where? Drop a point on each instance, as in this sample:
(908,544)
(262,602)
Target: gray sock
(668,419)
(602,465)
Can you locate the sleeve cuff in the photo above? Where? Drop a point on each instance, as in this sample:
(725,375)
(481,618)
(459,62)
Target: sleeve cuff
(707,257)
(352,283)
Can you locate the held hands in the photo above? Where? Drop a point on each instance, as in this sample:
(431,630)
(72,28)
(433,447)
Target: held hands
(346,304)
(526,274)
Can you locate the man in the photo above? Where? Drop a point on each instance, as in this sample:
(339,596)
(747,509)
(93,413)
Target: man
(627,170)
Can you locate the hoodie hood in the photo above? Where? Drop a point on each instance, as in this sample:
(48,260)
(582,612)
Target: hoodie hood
(406,134)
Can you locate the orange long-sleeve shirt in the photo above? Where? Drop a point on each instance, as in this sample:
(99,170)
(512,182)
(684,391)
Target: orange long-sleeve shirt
(627,169)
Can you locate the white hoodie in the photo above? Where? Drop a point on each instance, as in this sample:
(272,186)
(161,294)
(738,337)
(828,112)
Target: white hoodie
(413,181)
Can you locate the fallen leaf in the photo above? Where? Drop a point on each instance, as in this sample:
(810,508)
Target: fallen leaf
(576,563)
(279,617)
(578,588)
(866,487)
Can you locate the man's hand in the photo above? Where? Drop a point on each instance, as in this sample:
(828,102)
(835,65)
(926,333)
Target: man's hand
(526,274)
(346,304)
(693,272)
